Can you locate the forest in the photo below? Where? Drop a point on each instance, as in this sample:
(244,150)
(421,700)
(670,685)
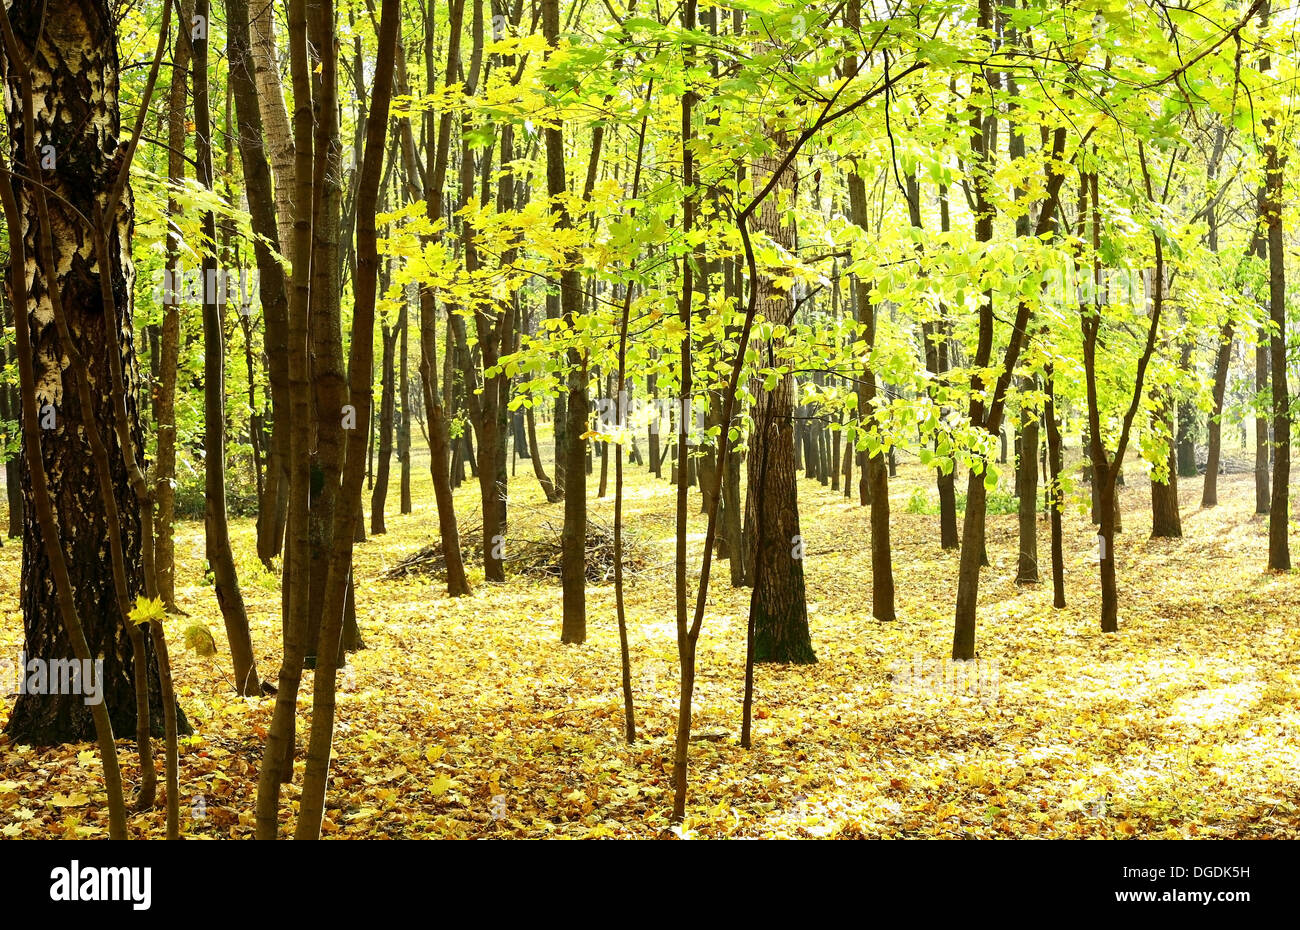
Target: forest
(472,419)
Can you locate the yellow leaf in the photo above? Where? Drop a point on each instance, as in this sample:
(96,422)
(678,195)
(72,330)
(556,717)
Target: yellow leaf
(147,609)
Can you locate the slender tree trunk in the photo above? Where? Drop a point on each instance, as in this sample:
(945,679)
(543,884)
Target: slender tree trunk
(271,279)
(169,341)
(331,422)
(316,773)
(380,492)
(1270,208)
(983,126)
(652,436)
(1106,556)
(574,477)
(12,412)
(404,396)
(439,146)
(989,417)
(216,526)
(1055,493)
(945,479)
(1214,428)
(874,475)
(1027,502)
(1107,468)
(629,709)
(1262,499)
(277,758)
(535,454)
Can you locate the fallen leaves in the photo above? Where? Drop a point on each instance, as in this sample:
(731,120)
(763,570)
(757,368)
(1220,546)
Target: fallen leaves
(467,717)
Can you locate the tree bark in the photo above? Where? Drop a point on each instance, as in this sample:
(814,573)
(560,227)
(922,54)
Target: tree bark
(1165,520)
(778,607)
(1027,501)
(215,522)
(379,493)
(438,144)
(330,422)
(169,340)
(76,63)
(275,116)
(569,440)
(1214,429)
(271,277)
(277,758)
(1270,208)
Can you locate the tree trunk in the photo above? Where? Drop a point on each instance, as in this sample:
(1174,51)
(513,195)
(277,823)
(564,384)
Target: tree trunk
(360,376)
(12,412)
(1055,494)
(875,478)
(215,523)
(169,340)
(277,758)
(76,62)
(569,441)
(1214,429)
(945,480)
(1165,520)
(1262,499)
(275,116)
(404,397)
(1027,501)
(1106,555)
(380,492)
(652,438)
(438,142)
(535,454)
(779,610)
(1270,208)
(271,278)
(331,422)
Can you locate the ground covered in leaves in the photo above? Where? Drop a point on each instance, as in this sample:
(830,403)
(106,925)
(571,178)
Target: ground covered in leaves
(468,718)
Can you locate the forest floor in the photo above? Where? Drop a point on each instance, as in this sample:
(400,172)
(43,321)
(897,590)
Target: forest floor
(467,717)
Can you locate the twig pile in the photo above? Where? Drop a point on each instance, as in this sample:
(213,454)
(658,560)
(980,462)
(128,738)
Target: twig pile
(430,559)
(541,558)
(535,558)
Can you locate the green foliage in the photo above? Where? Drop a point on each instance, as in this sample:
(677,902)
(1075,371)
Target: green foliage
(926,503)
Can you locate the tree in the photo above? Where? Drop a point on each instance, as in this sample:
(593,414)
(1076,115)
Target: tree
(986,415)
(1270,209)
(165,392)
(571,423)
(78,158)
(215,523)
(778,608)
